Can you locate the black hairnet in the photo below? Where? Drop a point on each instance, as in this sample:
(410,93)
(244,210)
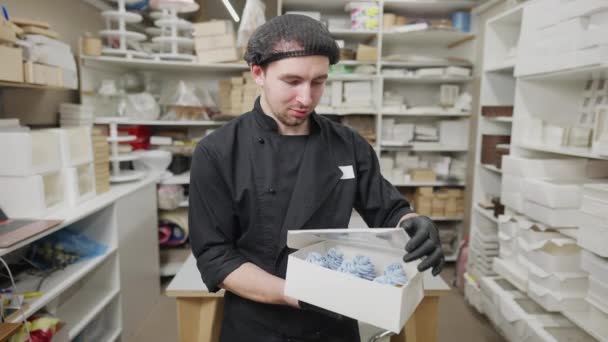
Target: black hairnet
(290,35)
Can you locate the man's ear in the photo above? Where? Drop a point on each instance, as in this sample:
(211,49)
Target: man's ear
(258,74)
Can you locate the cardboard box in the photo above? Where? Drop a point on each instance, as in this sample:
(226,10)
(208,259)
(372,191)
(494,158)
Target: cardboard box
(10,68)
(220,41)
(212,28)
(237,81)
(367,53)
(423,175)
(216,56)
(346,294)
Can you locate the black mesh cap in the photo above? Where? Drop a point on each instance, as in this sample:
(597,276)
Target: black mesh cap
(290,35)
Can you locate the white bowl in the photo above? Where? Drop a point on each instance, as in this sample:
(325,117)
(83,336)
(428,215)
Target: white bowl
(153,160)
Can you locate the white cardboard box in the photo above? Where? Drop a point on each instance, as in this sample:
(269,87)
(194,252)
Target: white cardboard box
(595,265)
(76,145)
(29,153)
(593,235)
(346,294)
(32,196)
(553,217)
(555,255)
(544,168)
(554,193)
(79,183)
(212,28)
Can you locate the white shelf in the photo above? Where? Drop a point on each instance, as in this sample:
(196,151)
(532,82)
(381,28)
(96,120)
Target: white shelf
(122,139)
(576,74)
(422,184)
(351,77)
(445,114)
(122,157)
(428,7)
(487,213)
(181,179)
(426,37)
(504,67)
(446,219)
(170,269)
(421,64)
(422,148)
(104,121)
(144,64)
(355,62)
(57,282)
(425,80)
(346,111)
(490,168)
(568,151)
(93,299)
(113,336)
(73,214)
(353,34)
(508,119)
(184,204)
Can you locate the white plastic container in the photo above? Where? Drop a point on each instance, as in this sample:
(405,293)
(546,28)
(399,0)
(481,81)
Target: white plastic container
(76,145)
(507,247)
(473,293)
(553,193)
(29,153)
(595,201)
(533,235)
(32,196)
(595,265)
(552,217)
(517,275)
(344,293)
(507,226)
(554,255)
(593,235)
(513,184)
(553,301)
(79,183)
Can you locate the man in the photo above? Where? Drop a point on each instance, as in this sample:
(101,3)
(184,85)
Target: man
(283,167)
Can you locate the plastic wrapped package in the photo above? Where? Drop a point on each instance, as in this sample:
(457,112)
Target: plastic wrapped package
(253,17)
(142,106)
(184,101)
(170,196)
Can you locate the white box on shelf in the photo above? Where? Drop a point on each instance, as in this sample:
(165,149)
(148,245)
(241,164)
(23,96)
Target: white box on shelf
(513,200)
(336,93)
(554,193)
(507,226)
(595,264)
(29,153)
(598,292)
(33,196)
(346,294)
(454,133)
(517,274)
(553,217)
(510,183)
(593,235)
(544,168)
(79,183)
(76,145)
(555,255)
(554,301)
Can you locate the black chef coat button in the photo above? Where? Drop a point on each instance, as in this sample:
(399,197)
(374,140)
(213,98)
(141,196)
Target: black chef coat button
(261,140)
(272,191)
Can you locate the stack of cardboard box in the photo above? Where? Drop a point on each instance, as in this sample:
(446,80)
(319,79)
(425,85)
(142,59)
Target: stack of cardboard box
(237,95)
(441,203)
(101,158)
(215,42)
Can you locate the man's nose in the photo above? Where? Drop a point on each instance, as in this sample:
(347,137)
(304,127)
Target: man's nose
(305,95)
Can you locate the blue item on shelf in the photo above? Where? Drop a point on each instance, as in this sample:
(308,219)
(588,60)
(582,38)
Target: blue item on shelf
(462,21)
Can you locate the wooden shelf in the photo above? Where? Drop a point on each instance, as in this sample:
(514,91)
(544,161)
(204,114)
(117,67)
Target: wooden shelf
(147,64)
(7,84)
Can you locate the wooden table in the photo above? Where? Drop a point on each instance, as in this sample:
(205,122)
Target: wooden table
(199,312)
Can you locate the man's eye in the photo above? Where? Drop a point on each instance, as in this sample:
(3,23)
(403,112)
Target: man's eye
(293,82)
(318,83)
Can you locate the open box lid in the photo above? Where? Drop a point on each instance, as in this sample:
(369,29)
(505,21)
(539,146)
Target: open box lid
(393,238)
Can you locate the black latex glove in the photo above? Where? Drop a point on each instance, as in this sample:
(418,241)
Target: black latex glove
(424,243)
(310,307)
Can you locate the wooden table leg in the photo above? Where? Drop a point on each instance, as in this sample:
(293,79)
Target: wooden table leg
(422,326)
(199,319)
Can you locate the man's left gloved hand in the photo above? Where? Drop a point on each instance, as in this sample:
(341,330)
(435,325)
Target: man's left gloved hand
(424,243)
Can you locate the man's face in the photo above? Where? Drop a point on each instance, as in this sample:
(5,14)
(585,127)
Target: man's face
(292,87)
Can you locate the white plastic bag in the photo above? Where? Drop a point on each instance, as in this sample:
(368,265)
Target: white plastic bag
(253,17)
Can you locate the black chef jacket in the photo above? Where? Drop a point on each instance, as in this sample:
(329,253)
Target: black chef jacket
(235,214)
